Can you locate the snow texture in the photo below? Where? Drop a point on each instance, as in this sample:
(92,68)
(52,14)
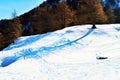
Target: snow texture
(74,53)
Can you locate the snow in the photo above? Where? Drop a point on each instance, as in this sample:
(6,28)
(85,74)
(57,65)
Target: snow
(70,54)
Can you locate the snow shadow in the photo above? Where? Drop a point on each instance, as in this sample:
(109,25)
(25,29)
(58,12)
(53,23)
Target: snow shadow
(27,41)
(90,30)
(45,50)
(117,28)
(40,52)
(69,31)
(8,60)
(66,42)
(100,33)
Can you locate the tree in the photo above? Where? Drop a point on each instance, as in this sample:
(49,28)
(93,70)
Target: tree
(40,23)
(117,14)
(53,1)
(112,2)
(14,14)
(90,11)
(110,14)
(98,15)
(1,41)
(64,14)
(11,30)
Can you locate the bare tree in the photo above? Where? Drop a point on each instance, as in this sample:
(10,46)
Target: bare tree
(14,14)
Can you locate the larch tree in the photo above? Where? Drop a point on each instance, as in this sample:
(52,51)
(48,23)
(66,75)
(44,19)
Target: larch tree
(98,15)
(90,11)
(64,14)
(13,30)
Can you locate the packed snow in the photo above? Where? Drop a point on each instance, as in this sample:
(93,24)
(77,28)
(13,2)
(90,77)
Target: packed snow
(74,53)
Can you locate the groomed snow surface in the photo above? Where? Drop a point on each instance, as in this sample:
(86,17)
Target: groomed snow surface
(74,53)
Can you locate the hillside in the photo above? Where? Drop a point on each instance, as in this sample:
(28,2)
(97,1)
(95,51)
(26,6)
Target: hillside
(54,15)
(49,16)
(71,53)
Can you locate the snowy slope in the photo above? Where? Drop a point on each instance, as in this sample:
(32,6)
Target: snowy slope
(68,54)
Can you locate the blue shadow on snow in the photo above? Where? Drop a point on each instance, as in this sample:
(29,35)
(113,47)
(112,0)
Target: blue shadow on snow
(118,28)
(43,50)
(8,60)
(28,41)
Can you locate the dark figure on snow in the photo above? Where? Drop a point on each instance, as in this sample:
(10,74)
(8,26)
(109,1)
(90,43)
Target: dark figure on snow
(101,58)
(94,27)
